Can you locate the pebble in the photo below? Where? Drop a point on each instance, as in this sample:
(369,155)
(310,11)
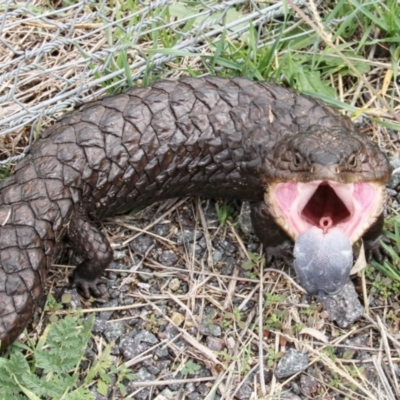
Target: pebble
(292,362)
(174,284)
(195,396)
(146,337)
(344,307)
(187,236)
(145,274)
(245,219)
(168,258)
(161,352)
(210,330)
(214,344)
(141,244)
(244,392)
(114,330)
(227,246)
(395,178)
(308,385)
(131,348)
(161,229)
(217,256)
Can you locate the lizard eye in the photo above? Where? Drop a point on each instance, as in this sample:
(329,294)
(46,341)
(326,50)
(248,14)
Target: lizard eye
(297,159)
(352,161)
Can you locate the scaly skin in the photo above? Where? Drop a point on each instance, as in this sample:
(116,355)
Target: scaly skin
(206,137)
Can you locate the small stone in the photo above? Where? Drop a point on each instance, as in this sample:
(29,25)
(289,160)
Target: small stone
(292,362)
(114,330)
(214,344)
(143,375)
(198,250)
(245,219)
(228,266)
(195,396)
(174,284)
(131,348)
(168,258)
(161,352)
(146,337)
(106,315)
(344,307)
(151,366)
(210,330)
(289,396)
(395,178)
(161,229)
(145,274)
(244,392)
(144,286)
(119,254)
(141,244)
(166,394)
(217,256)
(190,387)
(99,326)
(308,385)
(171,378)
(227,246)
(71,297)
(170,332)
(203,389)
(177,318)
(187,236)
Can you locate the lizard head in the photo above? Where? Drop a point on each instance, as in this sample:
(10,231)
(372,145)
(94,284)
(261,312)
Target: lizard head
(328,186)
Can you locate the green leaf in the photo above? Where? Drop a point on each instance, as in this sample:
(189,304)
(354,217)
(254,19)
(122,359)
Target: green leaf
(102,387)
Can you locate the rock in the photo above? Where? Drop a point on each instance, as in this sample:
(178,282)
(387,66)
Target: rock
(106,315)
(395,178)
(168,258)
(288,396)
(145,274)
(113,331)
(146,337)
(174,284)
(71,297)
(187,236)
(161,229)
(227,246)
(217,256)
(344,307)
(210,330)
(245,219)
(292,362)
(162,352)
(244,392)
(195,396)
(308,385)
(203,389)
(144,376)
(131,348)
(141,244)
(214,344)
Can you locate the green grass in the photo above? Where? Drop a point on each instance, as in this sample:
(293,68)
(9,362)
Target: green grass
(387,282)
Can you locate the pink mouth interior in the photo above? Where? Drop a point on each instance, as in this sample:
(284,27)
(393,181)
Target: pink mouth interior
(325,204)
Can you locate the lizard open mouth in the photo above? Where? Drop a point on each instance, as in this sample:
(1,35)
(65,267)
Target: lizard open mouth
(350,207)
(325,218)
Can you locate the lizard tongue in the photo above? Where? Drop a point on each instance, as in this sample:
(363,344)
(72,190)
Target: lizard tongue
(323,259)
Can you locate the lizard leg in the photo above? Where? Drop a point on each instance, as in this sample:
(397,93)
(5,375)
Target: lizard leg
(94,247)
(372,240)
(275,241)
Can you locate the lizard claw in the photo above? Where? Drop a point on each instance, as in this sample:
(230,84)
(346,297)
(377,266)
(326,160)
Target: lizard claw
(87,287)
(374,249)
